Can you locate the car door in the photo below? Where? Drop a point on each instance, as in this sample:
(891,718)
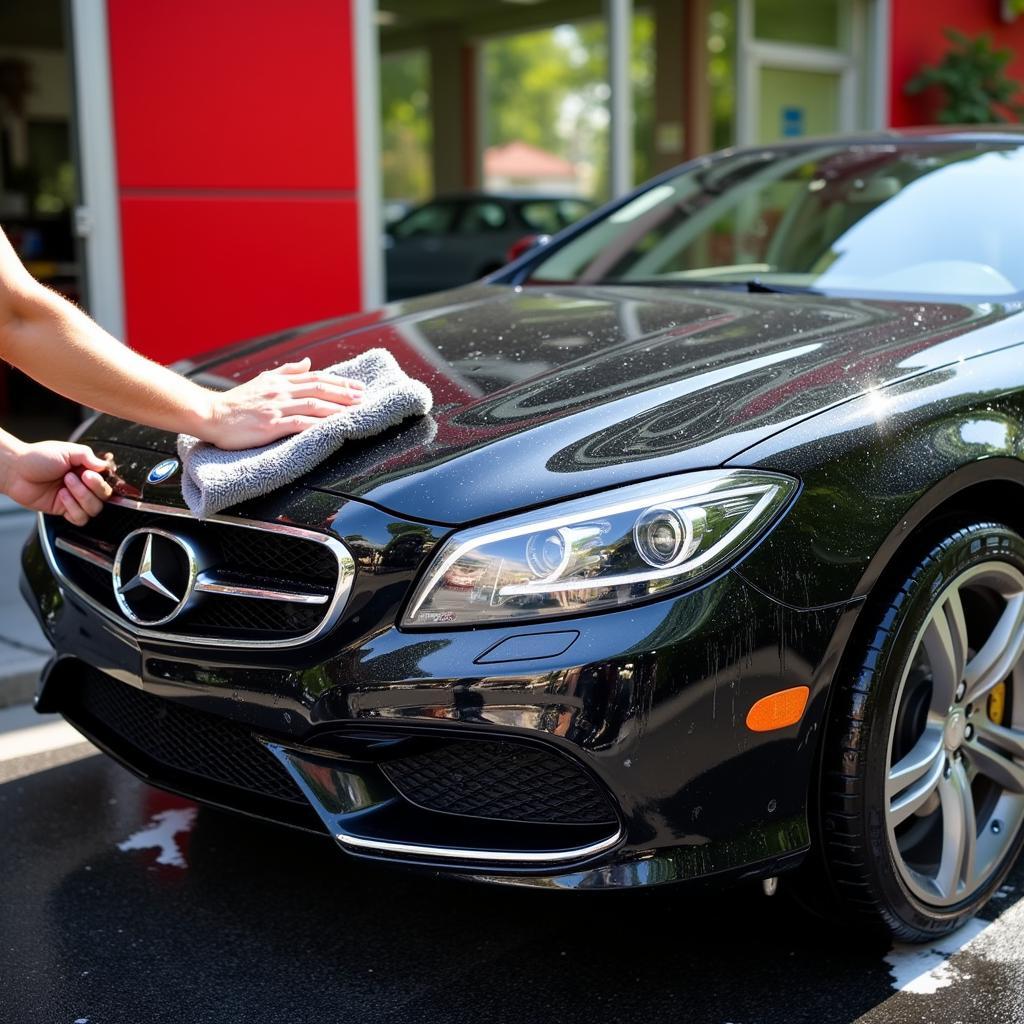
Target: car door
(484,232)
(415,250)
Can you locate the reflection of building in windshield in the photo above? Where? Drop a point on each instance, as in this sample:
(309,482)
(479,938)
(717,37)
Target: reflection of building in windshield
(859,218)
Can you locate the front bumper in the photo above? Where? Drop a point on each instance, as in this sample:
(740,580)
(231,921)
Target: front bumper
(647,705)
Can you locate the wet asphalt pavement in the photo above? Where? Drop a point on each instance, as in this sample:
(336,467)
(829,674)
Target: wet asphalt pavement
(248,922)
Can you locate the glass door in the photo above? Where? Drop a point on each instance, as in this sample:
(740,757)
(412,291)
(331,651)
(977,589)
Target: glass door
(797,69)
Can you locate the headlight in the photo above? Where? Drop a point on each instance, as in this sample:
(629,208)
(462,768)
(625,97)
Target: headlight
(600,552)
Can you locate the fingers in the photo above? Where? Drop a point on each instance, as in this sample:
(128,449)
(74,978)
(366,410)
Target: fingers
(295,424)
(85,498)
(300,366)
(73,512)
(97,484)
(337,391)
(82,455)
(311,408)
(82,497)
(330,378)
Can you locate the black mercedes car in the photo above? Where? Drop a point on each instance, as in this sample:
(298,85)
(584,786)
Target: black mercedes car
(709,562)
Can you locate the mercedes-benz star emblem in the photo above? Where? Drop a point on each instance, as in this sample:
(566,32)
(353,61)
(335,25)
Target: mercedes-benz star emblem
(162,471)
(154,576)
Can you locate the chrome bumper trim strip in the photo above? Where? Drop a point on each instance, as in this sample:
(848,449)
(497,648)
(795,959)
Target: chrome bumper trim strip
(85,554)
(491,856)
(209,584)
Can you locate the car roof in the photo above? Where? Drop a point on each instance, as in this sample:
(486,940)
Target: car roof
(513,197)
(923,133)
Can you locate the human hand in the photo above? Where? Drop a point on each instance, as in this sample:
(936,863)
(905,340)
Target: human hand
(58,477)
(276,403)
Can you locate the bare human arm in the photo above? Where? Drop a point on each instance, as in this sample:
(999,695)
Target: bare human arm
(56,344)
(58,477)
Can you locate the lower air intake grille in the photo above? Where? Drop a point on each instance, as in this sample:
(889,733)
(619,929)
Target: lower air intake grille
(175,736)
(506,781)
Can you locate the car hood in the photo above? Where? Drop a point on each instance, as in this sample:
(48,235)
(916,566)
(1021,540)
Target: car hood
(547,392)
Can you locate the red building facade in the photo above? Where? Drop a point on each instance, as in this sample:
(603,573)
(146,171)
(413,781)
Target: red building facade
(243,149)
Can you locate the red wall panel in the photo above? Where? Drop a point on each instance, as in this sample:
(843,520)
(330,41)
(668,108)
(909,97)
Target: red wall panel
(233,93)
(917,38)
(235,129)
(203,272)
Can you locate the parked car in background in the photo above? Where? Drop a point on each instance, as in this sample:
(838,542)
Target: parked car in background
(394,210)
(709,563)
(453,240)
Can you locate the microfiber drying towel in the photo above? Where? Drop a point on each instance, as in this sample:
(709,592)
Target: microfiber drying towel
(212,479)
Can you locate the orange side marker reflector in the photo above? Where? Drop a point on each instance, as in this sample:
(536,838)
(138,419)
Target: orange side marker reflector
(778,710)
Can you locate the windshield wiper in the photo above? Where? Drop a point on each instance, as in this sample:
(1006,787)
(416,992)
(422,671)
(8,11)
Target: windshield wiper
(755,284)
(752,284)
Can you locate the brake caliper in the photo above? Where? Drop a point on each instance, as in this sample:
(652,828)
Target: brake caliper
(997,703)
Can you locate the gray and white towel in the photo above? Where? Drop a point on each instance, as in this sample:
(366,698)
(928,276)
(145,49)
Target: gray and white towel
(213,479)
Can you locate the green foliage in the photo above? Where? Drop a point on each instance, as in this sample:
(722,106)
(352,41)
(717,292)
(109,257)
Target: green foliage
(527,77)
(547,88)
(722,71)
(550,89)
(405,125)
(972,76)
(642,75)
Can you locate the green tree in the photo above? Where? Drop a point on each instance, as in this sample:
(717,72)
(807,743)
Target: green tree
(405,125)
(642,75)
(548,88)
(527,78)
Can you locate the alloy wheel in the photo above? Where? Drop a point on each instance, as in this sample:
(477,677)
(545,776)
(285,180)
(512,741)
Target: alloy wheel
(954,800)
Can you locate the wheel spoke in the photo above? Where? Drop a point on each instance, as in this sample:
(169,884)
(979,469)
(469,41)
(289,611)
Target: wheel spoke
(959,833)
(992,751)
(945,643)
(1000,652)
(915,764)
(913,780)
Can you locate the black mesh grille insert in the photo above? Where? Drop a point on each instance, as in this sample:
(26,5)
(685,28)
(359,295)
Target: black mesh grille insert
(235,554)
(507,781)
(177,736)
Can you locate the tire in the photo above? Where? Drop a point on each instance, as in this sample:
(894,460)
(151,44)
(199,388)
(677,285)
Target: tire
(922,785)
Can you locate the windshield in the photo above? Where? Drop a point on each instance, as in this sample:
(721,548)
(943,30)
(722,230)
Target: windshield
(923,218)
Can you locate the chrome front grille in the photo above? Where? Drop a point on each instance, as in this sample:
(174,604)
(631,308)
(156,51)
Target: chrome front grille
(259,584)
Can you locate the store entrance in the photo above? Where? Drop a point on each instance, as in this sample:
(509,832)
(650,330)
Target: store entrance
(799,67)
(37,187)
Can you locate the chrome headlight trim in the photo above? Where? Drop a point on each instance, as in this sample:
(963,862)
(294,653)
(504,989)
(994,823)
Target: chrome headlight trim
(764,496)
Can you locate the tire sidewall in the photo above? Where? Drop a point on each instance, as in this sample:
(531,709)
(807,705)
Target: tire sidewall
(972,546)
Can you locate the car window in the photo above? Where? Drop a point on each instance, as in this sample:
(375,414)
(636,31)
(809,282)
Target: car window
(942,218)
(432,219)
(542,215)
(480,217)
(571,210)
(548,216)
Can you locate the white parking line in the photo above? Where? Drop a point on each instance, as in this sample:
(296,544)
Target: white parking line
(923,970)
(24,733)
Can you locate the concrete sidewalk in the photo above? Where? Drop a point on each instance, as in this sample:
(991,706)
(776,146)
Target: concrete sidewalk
(23,648)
